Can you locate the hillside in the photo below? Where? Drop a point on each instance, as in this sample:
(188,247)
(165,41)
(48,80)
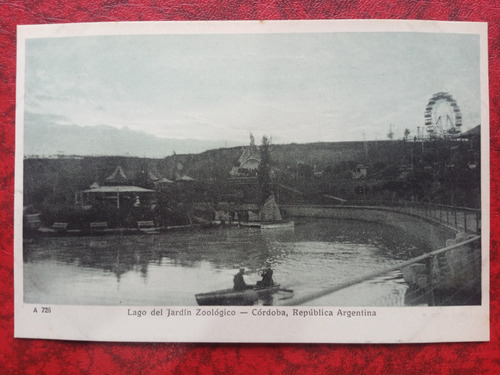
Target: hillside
(440,171)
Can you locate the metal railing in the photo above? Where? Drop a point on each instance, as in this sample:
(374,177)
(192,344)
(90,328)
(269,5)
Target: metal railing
(361,279)
(465,219)
(462,218)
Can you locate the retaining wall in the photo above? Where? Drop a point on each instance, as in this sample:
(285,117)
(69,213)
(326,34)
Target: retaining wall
(433,233)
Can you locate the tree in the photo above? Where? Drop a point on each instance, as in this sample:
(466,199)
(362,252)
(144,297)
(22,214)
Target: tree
(264,170)
(390,135)
(407,133)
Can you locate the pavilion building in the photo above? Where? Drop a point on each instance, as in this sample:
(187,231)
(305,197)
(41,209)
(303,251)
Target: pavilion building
(117,191)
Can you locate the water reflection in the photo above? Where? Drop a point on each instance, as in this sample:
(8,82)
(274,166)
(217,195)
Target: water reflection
(168,269)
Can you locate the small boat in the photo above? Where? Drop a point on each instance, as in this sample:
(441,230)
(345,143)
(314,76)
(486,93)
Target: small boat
(269,224)
(230,297)
(271,216)
(277,225)
(251,224)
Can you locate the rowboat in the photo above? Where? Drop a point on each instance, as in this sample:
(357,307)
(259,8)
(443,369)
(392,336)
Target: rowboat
(230,297)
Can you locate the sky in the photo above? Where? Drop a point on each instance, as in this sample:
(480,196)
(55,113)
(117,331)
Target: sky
(292,87)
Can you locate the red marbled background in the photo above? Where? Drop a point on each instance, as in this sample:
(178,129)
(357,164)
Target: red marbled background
(54,357)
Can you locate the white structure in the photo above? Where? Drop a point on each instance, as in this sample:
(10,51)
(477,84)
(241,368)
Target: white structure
(249,161)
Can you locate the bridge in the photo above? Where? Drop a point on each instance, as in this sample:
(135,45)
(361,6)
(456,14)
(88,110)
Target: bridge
(452,269)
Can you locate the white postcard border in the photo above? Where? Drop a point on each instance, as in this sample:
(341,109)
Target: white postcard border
(115,323)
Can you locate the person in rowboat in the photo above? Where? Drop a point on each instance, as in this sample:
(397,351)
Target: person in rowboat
(267,279)
(239,281)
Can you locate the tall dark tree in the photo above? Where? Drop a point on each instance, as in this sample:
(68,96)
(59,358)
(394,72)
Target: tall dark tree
(264,171)
(407,133)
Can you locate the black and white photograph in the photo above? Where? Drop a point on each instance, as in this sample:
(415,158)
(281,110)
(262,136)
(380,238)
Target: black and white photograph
(184,174)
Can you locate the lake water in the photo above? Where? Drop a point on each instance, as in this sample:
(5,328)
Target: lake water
(169,269)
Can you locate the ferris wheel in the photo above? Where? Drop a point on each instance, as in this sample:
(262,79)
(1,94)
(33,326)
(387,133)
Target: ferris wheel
(442,116)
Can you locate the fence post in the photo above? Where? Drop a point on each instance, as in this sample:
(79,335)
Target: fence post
(465,221)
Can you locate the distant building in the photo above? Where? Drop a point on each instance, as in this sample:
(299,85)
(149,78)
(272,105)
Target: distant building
(247,213)
(360,173)
(248,163)
(405,171)
(177,173)
(118,190)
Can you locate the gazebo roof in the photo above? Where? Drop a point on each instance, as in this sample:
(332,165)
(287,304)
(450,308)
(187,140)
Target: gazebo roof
(117,176)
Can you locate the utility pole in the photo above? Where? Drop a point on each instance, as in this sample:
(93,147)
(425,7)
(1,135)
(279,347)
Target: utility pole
(365,146)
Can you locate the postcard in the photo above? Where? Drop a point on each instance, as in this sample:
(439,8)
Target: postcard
(242,181)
